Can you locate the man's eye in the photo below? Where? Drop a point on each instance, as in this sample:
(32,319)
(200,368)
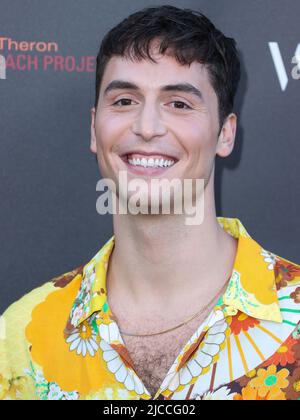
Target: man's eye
(127,101)
(181,105)
(123,101)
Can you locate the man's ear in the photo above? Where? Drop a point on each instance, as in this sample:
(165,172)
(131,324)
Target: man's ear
(93,144)
(227,136)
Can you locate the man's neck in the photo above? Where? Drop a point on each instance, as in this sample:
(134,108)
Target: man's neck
(158,262)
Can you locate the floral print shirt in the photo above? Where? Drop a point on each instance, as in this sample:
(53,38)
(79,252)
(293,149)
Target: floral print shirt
(61,341)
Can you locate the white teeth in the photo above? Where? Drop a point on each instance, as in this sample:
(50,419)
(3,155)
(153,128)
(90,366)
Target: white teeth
(152,163)
(144,162)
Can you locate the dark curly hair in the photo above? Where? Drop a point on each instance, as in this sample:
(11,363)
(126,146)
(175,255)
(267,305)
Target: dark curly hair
(188,36)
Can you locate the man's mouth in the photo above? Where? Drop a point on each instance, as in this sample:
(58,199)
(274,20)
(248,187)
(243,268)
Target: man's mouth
(150,161)
(153,162)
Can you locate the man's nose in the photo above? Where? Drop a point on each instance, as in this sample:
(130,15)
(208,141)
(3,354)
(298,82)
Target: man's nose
(149,123)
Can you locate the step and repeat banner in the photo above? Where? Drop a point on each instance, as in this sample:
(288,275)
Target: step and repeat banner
(48,218)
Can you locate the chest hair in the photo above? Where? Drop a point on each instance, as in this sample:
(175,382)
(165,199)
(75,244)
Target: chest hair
(152,357)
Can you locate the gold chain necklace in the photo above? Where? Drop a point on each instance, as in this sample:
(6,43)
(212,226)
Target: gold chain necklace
(215,298)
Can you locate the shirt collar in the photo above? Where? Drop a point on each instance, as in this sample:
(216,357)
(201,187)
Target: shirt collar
(251,289)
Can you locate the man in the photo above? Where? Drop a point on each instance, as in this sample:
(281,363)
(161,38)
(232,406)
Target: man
(165,310)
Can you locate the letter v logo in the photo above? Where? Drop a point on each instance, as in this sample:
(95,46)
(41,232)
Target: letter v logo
(279,64)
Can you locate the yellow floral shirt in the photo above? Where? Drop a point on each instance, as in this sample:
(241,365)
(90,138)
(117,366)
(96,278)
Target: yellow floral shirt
(61,340)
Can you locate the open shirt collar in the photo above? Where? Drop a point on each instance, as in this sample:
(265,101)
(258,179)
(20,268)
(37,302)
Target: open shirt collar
(251,288)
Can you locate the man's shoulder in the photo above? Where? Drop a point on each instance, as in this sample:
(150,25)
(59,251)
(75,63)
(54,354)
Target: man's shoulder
(42,307)
(19,312)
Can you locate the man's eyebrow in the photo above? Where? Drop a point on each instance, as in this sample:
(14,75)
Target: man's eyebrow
(178,87)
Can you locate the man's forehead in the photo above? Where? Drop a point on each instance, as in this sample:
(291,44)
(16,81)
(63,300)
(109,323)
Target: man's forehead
(147,74)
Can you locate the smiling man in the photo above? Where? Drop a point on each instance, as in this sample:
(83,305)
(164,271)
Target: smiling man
(164,310)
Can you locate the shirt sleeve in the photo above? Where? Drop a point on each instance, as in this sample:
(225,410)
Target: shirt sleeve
(17,369)
(15,383)
(5,372)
